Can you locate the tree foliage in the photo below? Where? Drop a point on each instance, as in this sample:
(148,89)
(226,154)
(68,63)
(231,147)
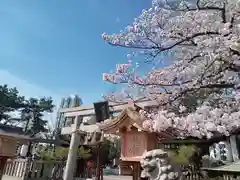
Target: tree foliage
(183,155)
(111,149)
(35,113)
(60,153)
(32,110)
(108,151)
(10,101)
(199,41)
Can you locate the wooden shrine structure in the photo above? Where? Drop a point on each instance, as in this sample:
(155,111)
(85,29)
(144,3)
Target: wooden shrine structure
(128,125)
(9,136)
(135,140)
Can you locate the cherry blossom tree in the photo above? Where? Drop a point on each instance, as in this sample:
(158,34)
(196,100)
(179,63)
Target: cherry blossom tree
(203,39)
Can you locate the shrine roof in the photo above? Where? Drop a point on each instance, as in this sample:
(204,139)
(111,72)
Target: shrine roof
(13,132)
(18,134)
(94,134)
(128,118)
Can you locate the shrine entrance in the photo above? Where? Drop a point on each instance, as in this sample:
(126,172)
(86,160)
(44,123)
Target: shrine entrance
(135,141)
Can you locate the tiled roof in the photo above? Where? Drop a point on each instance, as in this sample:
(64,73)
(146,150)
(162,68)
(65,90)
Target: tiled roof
(16,132)
(11,131)
(127,118)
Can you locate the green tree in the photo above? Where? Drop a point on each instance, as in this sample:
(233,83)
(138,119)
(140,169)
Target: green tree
(183,155)
(61,153)
(32,110)
(109,150)
(33,114)
(114,149)
(10,101)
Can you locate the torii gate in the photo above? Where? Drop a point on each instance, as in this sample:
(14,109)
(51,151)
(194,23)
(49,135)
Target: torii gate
(109,126)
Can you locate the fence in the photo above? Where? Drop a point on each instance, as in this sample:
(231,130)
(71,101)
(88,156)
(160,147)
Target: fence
(22,169)
(193,173)
(25,169)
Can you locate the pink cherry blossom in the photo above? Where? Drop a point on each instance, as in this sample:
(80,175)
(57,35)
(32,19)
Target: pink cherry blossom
(202,37)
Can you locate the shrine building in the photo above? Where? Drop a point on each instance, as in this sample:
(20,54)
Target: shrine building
(127,125)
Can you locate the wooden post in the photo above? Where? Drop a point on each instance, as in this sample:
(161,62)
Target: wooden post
(3,160)
(101,173)
(136,170)
(98,163)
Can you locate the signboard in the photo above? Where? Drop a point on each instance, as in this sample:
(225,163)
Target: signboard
(135,143)
(101,111)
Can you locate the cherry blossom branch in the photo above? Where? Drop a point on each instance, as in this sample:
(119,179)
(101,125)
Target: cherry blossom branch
(205,59)
(223,9)
(188,38)
(194,90)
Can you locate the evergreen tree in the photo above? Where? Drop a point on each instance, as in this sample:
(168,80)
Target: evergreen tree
(34,114)
(10,101)
(32,110)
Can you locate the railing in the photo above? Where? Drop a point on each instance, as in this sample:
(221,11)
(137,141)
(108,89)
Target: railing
(22,169)
(15,168)
(27,169)
(230,177)
(193,173)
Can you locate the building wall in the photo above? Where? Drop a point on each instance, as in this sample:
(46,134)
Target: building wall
(7,146)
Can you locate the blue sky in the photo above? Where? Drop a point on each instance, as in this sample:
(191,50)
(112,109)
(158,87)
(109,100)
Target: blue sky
(54,48)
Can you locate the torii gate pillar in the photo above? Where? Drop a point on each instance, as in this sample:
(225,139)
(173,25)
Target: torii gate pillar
(72,153)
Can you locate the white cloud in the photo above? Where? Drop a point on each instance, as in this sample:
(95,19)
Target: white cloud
(28,89)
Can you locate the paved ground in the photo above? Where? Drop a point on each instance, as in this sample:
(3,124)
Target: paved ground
(113,177)
(110,177)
